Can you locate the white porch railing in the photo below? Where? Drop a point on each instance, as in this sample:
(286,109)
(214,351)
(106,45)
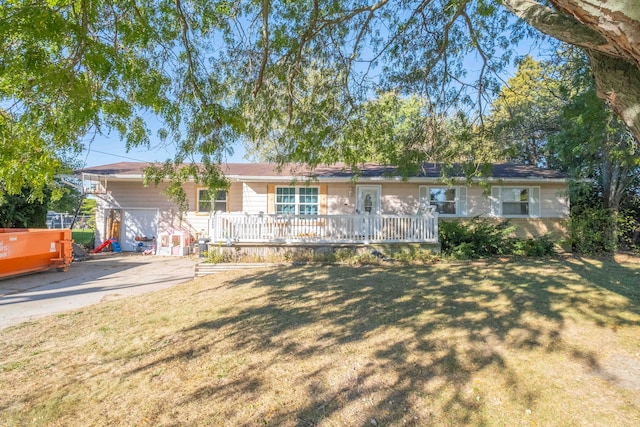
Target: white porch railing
(241,227)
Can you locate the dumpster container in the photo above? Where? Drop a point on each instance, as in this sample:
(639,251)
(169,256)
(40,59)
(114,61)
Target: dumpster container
(28,250)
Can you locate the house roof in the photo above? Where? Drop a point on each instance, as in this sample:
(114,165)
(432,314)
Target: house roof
(337,172)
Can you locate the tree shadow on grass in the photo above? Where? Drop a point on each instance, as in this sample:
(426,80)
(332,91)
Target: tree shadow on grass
(428,332)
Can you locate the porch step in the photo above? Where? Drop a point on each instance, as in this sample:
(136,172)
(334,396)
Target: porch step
(205,268)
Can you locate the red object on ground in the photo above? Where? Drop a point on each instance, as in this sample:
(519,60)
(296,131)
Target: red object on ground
(28,250)
(103,245)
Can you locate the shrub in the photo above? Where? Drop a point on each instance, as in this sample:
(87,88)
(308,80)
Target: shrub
(590,231)
(415,255)
(477,238)
(344,254)
(480,238)
(540,246)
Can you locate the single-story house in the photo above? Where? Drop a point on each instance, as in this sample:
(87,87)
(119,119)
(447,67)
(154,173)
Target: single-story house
(265,204)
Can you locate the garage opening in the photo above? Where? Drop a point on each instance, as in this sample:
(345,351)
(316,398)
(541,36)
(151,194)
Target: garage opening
(130,226)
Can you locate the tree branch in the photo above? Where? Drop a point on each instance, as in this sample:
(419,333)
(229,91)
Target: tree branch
(560,26)
(265,45)
(184,26)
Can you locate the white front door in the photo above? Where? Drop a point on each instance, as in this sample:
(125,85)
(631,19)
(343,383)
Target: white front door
(368,199)
(368,206)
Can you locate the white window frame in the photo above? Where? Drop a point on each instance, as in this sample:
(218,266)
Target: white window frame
(213,204)
(497,200)
(460,198)
(297,202)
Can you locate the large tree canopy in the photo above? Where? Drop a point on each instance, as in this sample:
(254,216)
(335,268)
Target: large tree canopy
(295,73)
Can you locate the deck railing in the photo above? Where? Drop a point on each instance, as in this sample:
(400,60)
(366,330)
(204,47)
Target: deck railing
(241,227)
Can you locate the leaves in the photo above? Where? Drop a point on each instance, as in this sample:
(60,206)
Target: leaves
(311,82)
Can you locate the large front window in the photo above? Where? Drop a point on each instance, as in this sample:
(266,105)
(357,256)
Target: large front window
(515,201)
(297,200)
(207,204)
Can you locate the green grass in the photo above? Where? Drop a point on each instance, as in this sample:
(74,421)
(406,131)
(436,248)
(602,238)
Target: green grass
(83,237)
(520,343)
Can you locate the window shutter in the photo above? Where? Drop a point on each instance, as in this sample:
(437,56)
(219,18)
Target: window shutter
(534,208)
(324,190)
(461,192)
(271,198)
(496,206)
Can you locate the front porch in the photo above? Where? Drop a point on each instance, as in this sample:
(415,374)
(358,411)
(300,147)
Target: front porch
(242,228)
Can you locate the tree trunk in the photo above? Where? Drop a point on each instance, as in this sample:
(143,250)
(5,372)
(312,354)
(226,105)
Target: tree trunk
(609,31)
(618,83)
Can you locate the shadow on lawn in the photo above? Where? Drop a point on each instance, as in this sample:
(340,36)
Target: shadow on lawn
(451,322)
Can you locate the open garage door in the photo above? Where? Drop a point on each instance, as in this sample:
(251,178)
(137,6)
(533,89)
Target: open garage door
(138,223)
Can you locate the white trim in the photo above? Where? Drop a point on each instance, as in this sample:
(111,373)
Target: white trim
(197,210)
(297,197)
(497,201)
(460,198)
(361,188)
(348,179)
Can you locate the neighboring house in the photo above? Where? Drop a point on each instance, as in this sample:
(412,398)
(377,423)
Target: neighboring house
(267,205)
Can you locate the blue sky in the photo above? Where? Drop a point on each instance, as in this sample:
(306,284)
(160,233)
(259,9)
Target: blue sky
(104,150)
(108,149)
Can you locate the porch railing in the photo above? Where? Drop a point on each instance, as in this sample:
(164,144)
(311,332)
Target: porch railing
(242,227)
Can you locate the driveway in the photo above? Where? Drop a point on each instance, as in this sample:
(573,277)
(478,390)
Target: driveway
(102,278)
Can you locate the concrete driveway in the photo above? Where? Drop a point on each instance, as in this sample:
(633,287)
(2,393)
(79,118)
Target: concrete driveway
(104,277)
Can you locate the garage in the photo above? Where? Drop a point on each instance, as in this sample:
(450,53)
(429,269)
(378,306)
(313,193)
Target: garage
(127,224)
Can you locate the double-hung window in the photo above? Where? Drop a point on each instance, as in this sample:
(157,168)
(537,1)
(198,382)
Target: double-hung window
(297,200)
(449,201)
(216,204)
(515,201)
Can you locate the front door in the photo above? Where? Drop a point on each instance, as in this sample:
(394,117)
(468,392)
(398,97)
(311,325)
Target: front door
(368,199)
(368,207)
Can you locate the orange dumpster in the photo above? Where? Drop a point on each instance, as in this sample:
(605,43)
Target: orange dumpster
(28,250)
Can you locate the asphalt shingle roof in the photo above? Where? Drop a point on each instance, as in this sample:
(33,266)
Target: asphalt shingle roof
(429,170)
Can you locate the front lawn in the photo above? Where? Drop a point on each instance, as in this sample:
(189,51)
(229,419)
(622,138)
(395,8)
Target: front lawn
(546,342)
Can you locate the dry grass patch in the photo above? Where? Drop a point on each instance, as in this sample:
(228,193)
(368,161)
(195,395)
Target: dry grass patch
(547,342)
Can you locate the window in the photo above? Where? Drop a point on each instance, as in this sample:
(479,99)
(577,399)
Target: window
(450,201)
(444,199)
(308,201)
(206,204)
(515,201)
(297,200)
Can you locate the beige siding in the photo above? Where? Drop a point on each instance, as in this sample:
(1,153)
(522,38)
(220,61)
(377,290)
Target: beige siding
(341,199)
(478,203)
(254,197)
(554,201)
(132,195)
(235,197)
(400,198)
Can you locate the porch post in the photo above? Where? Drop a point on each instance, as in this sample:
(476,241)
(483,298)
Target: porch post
(367,224)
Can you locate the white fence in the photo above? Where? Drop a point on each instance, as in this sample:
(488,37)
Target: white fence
(241,227)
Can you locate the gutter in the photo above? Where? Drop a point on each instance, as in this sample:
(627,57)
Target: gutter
(377,179)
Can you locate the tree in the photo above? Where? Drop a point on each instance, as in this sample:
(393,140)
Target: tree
(525,113)
(609,33)
(214,71)
(550,109)
(23,211)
